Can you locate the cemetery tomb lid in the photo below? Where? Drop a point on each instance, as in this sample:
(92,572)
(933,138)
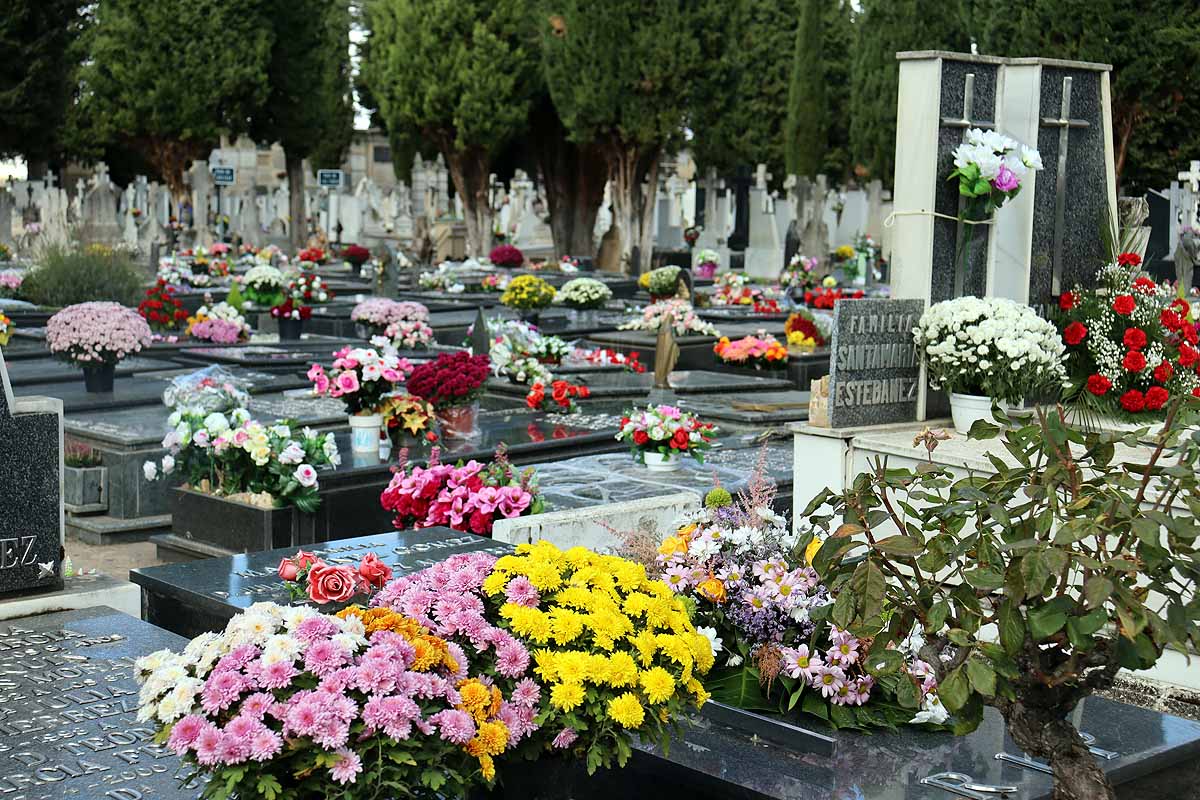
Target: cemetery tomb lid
(647,339)
(69,727)
(54,370)
(223,587)
(874,370)
(636,385)
(751,408)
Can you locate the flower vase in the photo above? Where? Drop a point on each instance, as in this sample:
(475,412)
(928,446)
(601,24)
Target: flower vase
(289,329)
(458,422)
(706,271)
(364,433)
(98,378)
(531,316)
(965,409)
(657,462)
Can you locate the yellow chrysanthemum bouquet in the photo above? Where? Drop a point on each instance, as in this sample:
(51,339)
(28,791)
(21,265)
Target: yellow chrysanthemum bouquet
(615,651)
(528,293)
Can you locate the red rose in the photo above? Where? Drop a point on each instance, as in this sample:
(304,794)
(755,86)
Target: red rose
(303,559)
(1067,301)
(1135,338)
(1156,398)
(584,392)
(640,438)
(374,572)
(1163,372)
(1134,361)
(1187,355)
(560,393)
(1129,260)
(288,570)
(1133,401)
(1124,304)
(1170,320)
(1073,334)
(1196,392)
(328,583)
(1098,385)
(680,439)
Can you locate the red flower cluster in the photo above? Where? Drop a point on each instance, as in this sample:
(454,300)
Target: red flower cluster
(356,254)
(161,309)
(506,255)
(1074,333)
(305,573)
(1098,385)
(1067,301)
(1129,260)
(1124,304)
(827,298)
(767,307)
(313,254)
(287,309)
(451,379)
(563,393)
(1134,338)
(805,325)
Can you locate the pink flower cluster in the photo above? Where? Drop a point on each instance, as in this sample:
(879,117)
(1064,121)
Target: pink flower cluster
(219,331)
(97,333)
(835,677)
(360,377)
(466,498)
(307,574)
(379,312)
(10,281)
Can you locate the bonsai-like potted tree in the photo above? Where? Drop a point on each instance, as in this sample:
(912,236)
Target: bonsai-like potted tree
(1080,562)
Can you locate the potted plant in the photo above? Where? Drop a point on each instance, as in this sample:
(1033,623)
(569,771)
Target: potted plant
(161,309)
(220,323)
(361,378)
(659,435)
(290,316)
(1131,346)
(707,263)
(356,255)
(528,295)
(761,351)
(506,255)
(985,350)
(373,315)
(584,295)
(315,255)
(1032,585)
(96,336)
(264,286)
(661,283)
(408,419)
(453,383)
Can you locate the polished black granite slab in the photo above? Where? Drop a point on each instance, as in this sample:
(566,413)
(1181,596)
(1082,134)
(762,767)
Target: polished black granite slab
(32,371)
(750,408)
(635,386)
(145,389)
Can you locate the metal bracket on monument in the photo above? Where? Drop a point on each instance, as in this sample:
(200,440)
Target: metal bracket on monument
(1025,761)
(965,786)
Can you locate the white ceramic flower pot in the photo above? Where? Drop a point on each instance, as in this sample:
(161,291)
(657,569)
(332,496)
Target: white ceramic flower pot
(364,433)
(966,408)
(657,462)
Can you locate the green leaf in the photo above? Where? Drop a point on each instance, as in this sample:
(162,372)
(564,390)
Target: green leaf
(984,578)
(1097,590)
(885,662)
(843,610)
(982,676)
(1012,627)
(899,546)
(1046,621)
(815,704)
(738,687)
(936,618)
(954,690)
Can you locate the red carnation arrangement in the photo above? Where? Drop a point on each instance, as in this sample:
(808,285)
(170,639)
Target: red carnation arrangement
(828,298)
(505,255)
(161,309)
(356,254)
(453,379)
(1131,344)
(803,322)
(562,394)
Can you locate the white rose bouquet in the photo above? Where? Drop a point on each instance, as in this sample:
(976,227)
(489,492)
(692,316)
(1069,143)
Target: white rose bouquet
(584,293)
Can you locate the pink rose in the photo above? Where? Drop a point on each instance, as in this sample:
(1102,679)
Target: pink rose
(374,572)
(347,382)
(288,570)
(392,376)
(321,384)
(332,584)
(314,371)
(303,559)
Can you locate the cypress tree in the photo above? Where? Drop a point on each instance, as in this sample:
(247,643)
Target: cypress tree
(808,111)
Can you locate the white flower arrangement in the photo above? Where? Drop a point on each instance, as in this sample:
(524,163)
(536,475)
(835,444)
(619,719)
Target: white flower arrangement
(263,278)
(520,353)
(584,293)
(989,347)
(683,317)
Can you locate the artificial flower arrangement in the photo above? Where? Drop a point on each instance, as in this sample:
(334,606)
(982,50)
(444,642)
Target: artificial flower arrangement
(761,351)
(452,379)
(1131,344)
(730,289)
(232,455)
(10,282)
(568,265)
(767,305)
(756,595)
(801,273)
(219,268)
(630,362)
(161,309)
(360,377)
(408,417)
(665,431)
(827,297)
(264,285)
(864,243)
(307,576)
(377,313)
(220,323)
(219,250)
(990,167)
(494,282)
(443,279)
(210,389)
(309,288)
(312,255)
(6,329)
(408,334)
(521,353)
(96,334)
(661,283)
(466,497)
(562,395)
(290,309)
(173,273)
(289,701)
(268,254)
(846,257)
(584,293)
(527,293)
(506,255)
(803,331)
(707,263)
(356,254)
(684,320)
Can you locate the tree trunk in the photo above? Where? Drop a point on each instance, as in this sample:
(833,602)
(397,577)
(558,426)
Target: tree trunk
(1048,735)
(171,157)
(633,211)
(471,172)
(298,227)
(574,178)
(36,169)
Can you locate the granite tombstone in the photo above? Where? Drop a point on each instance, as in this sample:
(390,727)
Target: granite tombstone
(874,374)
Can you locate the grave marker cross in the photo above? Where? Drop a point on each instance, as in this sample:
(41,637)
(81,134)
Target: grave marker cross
(966,123)
(1064,123)
(1192,181)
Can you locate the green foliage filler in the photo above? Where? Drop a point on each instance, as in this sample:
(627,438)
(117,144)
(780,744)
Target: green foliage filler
(67,276)
(1032,585)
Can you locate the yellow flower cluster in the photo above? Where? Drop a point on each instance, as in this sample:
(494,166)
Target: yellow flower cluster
(527,291)
(491,735)
(845,252)
(432,651)
(606,640)
(798,339)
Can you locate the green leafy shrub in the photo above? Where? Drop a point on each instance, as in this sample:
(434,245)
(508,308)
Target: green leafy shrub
(67,276)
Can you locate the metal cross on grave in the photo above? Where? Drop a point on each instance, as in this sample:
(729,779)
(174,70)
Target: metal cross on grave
(965,122)
(1064,123)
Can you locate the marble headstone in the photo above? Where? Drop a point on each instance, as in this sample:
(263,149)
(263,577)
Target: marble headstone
(874,374)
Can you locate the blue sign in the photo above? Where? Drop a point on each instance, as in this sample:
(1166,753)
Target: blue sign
(330,178)
(224,176)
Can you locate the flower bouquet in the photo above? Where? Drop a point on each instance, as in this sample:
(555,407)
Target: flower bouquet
(562,395)
(988,349)
(6,328)
(584,293)
(684,320)
(220,323)
(307,576)
(10,283)
(828,297)
(453,383)
(707,263)
(210,389)
(631,362)
(1131,344)
(659,435)
(730,289)
(521,353)
(231,455)
(661,283)
(161,309)
(288,700)
(568,265)
(803,332)
(762,351)
(407,418)
(360,378)
(264,286)
(528,294)
(357,255)
(505,255)
(312,255)
(801,274)
(494,283)
(291,316)
(408,334)
(443,279)
(989,167)
(375,314)
(309,288)
(465,497)
(96,336)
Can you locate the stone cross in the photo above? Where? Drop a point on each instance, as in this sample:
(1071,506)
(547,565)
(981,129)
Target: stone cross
(101,174)
(51,179)
(1064,123)
(1191,190)
(965,122)
(761,176)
